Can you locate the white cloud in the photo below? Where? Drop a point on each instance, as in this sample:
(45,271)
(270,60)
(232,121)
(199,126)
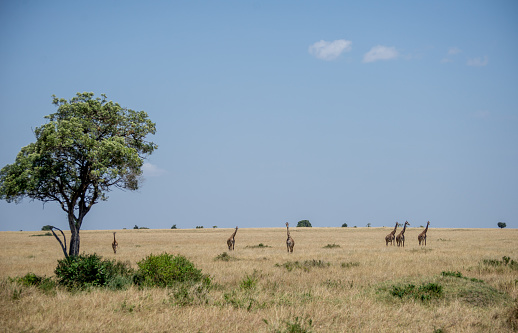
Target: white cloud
(152,170)
(329,50)
(478,62)
(454,50)
(380,53)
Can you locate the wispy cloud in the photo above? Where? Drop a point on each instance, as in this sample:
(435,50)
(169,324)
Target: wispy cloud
(329,50)
(380,53)
(454,50)
(451,52)
(152,170)
(478,62)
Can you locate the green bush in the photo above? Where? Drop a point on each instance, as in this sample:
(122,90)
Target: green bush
(166,270)
(88,270)
(424,292)
(41,282)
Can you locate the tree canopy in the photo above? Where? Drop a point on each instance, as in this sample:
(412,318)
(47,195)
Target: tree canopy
(501,225)
(304,223)
(86,148)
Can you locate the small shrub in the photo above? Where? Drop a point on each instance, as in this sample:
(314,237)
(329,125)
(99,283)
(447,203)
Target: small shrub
(45,234)
(250,281)
(166,270)
(199,227)
(424,292)
(43,283)
(344,225)
(260,246)
(331,246)
(223,257)
(306,265)
(174,226)
(350,264)
(299,325)
(506,261)
(454,274)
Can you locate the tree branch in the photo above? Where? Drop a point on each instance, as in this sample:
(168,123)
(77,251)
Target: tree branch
(64,248)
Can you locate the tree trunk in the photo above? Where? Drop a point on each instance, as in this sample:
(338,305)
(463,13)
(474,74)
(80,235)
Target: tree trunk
(73,250)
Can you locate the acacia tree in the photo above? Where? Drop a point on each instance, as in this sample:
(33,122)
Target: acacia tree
(89,146)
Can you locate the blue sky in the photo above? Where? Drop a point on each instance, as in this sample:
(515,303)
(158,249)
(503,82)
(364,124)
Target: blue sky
(276,111)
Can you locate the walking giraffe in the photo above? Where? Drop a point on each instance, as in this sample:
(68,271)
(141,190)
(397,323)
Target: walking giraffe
(231,241)
(390,237)
(400,239)
(290,243)
(114,244)
(422,236)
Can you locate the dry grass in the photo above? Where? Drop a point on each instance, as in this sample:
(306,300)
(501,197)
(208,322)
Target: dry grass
(337,288)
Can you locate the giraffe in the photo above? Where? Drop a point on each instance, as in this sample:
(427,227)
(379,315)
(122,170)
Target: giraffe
(114,244)
(422,236)
(390,237)
(400,239)
(290,243)
(231,241)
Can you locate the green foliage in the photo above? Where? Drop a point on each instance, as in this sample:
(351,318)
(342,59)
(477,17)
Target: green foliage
(135,227)
(331,246)
(344,225)
(505,262)
(250,281)
(87,270)
(305,266)
(199,227)
(299,325)
(224,257)
(46,228)
(259,246)
(350,264)
(458,274)
(304,223)
(174,226)
(86,148)
(43,283)
(45,234)
(167,270)
(501,225)
(424,292)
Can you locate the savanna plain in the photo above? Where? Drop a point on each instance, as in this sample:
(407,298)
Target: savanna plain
(336,280)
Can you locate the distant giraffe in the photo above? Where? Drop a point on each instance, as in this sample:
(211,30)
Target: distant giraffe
(231,241)
(114,244)
(400,239)
(290,243)
(422,236)
(391,237)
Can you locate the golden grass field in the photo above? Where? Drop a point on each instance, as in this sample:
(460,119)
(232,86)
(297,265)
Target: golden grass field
(349,293)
